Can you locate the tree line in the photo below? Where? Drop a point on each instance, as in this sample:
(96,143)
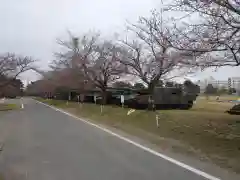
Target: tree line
(211,90)
(155,48)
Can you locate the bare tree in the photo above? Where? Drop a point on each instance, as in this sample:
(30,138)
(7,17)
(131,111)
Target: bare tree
(93,62)
(214,37)
(68,64)
(151,57)
(11,66)
(103,67)
(74,51)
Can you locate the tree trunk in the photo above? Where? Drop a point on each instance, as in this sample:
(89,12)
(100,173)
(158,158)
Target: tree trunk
(104,96)
(151,104)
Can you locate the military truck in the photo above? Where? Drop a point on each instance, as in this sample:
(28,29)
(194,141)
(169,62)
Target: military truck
(164,98)
(181,97)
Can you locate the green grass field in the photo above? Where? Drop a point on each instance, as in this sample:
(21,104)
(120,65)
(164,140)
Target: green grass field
(205,131)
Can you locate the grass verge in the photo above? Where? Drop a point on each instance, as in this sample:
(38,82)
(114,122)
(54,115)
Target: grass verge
(8,107)
(204,131)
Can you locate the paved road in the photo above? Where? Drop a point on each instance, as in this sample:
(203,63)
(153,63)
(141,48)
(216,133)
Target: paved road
(43,144)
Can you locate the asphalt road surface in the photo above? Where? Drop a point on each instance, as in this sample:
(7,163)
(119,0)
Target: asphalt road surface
(43,144)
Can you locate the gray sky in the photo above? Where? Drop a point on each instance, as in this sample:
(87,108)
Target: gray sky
(30,27)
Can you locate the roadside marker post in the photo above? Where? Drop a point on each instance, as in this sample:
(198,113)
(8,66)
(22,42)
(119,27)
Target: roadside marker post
(157,120)
(82,100)
(78,99)
(69,98)
(21,102)
(122,100)
(101,108)
(95,98)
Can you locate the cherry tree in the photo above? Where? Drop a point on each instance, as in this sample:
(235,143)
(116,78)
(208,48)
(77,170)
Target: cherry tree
(103,67)
(213,36)
(11,66)
(93,60)
(150,56)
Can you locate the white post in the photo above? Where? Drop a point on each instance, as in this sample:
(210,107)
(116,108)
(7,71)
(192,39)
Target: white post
(95,98)
(78,99)
(81,99)
(122,100)
(157,122)
(21,102)
(69,97)
(101,107)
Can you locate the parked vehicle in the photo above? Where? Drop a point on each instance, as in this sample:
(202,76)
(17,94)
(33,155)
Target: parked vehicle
(181,97)
(163,98)
(235,109)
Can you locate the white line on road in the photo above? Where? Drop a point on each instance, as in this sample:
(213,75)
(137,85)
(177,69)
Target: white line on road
(176,162)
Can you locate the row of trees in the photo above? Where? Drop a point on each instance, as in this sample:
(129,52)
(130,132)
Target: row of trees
(155,48)
(211,90)
(98,63)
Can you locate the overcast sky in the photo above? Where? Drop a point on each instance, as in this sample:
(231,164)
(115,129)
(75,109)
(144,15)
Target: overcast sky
(30,27)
